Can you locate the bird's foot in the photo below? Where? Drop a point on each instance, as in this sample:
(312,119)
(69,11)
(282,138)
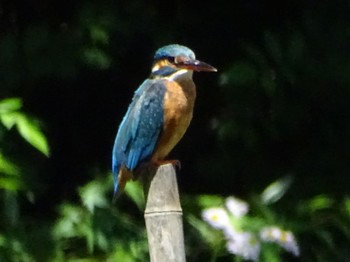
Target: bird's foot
(176,163)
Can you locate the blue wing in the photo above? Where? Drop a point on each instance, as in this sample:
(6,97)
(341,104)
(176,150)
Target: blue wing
(139,131)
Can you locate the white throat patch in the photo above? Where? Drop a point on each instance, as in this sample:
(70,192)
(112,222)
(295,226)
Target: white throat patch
(183,73)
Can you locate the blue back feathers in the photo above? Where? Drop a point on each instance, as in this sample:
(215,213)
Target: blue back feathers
(139,131)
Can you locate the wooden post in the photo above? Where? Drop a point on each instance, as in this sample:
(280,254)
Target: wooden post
(163,215)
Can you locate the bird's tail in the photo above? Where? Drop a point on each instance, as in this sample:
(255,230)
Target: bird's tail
(124,175)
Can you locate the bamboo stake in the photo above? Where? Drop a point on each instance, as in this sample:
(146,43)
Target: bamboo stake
(163,215)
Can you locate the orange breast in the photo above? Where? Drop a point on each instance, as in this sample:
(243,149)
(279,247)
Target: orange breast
(178,110)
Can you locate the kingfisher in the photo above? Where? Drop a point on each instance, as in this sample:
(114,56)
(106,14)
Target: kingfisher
(158,115)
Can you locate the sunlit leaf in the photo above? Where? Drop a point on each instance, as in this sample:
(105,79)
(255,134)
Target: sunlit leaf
(135,192)
(318,203)
(28,128)
(10,183)
(205,201)
(101,240)
(212,237)
(276,190)
(122,254)
(7,167)
(71,217)
(9,119)
(92,195)
(30,131)
(88,232)
(9,174)
(270,253)
(10,104)
(137,248)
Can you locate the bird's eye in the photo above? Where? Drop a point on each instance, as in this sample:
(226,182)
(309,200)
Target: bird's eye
(171,59)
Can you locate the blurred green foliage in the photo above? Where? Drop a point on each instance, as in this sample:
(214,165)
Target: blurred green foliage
(318,224)
(278,110)
(107,233)
(29,129)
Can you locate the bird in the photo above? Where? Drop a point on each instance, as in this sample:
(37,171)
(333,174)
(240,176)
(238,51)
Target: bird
(158,115)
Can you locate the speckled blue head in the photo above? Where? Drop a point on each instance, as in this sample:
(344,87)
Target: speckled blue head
(173,51)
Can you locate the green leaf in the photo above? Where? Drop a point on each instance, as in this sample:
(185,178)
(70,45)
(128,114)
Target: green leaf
(270,253)
(206,201)
(30,131)
(213,237)
(7,167)
(10,183)
(319,202)
(122,253)
(10,104)
(67,226)
(276,190)
(9,174)
(9,119)
(134,190)
(28,128)
(92,195)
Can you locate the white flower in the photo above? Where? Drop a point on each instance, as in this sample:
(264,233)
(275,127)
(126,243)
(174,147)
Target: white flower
(237,207)
(229,232)
(270,234)
(289,243)
(283,238)
(216,217)
(244,244)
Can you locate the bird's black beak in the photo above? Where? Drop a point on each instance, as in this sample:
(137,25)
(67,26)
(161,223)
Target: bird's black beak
(196,65)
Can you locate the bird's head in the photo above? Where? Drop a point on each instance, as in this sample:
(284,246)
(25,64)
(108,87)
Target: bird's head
(177,57)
